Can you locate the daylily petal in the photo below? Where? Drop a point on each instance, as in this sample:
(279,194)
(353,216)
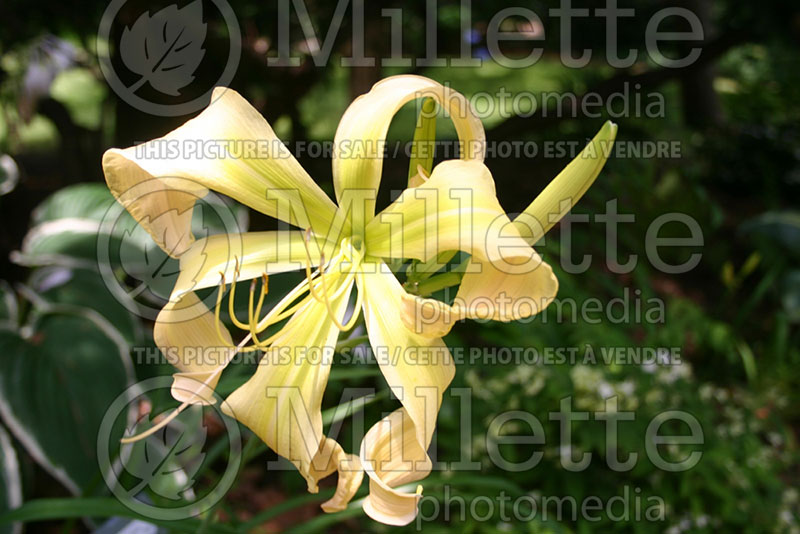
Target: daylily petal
(281,402)
(186,333)
(392,456)
(360,136)
(485,293)
(564,191)
(418,369)
(495,294)
(254,253)
(331,457)
(229,148)
(455,209)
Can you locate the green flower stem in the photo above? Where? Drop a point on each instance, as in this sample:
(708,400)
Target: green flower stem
(422,146)
(419,271)
(434,284)
(350,343)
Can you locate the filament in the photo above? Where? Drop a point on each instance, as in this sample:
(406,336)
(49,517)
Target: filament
(232,297)
(315,284)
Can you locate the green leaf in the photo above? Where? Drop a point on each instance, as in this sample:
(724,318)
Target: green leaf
(566,189)
(11,487)
(322,523)
(83,94)
(47,509)
(81,225)
(67,242)
(9,174)
(9,307)
(84,201)
(177,448)
(83,288)
(66,226)
(55,386)
(147,264)
(346,409)
(423,144)
(780,227)
(790,294)
(285,506)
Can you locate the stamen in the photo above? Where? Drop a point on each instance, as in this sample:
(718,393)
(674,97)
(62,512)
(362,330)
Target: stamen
(357,308)
(254,315)
(250,303)
(217,322)
(343,284)
(280,311)
(164,422)
(306,239)
(285,308)
(264,344)
(346,283)
(239,324)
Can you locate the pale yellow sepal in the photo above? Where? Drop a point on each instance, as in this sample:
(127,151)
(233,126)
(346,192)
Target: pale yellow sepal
(253,253)
(228,148)
(360,137)
(564,191)
(392,457)
(456,209)
(185,332)
(281,402)
(485,293)
(418,369)
(331,457)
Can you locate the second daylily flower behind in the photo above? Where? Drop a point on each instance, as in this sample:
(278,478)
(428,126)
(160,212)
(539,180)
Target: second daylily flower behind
(343,248)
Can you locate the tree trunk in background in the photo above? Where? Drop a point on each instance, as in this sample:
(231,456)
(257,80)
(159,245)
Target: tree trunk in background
(701,105)
(363,78)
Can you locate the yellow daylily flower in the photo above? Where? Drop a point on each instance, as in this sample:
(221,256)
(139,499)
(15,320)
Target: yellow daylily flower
(342,248)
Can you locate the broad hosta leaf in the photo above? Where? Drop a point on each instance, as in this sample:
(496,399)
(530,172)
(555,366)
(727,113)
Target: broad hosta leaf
(84,201)
(9,307)
(68,227)
(10,483)
(779,227)
(65,227)
(790,294)
(9,174)
(165,49)
(44,509)
(55,386)
(83,288)
(68,242)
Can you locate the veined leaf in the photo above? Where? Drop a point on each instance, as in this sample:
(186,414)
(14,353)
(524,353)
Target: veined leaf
(11,487)
(55,385)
